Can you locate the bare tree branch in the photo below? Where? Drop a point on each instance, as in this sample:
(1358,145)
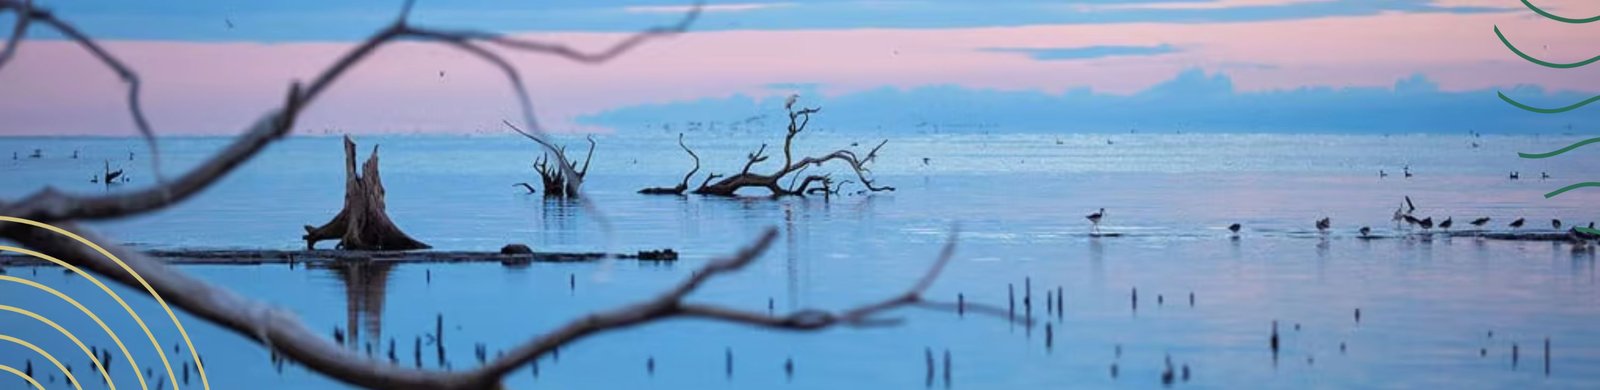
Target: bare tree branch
(684,185)
(51,205)
(283,332)
(798,120)
(20,29)
(27,13)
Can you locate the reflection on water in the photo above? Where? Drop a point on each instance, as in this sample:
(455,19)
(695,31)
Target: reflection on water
(1428,305)
(364,285)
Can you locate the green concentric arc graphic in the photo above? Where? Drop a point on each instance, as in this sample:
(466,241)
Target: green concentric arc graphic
(1525,56)
(1556,110)
(1558,18)
(1558,152)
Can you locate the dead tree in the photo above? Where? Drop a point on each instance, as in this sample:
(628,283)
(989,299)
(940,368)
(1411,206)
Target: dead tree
(363,223)
(283,332)
(682,186)
(554,176)
(798,120)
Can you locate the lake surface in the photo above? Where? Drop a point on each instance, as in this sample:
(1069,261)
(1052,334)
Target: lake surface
(1435,313)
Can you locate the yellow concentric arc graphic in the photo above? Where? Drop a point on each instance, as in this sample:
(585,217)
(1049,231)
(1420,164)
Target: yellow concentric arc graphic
(25,377)
(70,378)
(127,355)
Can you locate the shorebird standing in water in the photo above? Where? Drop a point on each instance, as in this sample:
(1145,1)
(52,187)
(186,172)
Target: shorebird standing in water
(1427,223)
(1235,229)
(1094,219)
(1407,170)
(1543,175)
(1517,224)
(1555,224)
(1412,221)
(1366,231)
(1515,175)
(1323,225)
(1479,222)
(1446,223)
(1382,174)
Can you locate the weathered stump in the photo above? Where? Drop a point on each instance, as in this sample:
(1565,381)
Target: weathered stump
(363,223)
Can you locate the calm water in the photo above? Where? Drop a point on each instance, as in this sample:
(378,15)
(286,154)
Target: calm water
(1427,306)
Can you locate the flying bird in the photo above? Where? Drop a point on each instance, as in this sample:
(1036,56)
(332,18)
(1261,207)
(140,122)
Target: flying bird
(1094,219)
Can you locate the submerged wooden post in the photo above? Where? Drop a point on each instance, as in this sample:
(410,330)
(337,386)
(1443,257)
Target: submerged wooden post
(1049,337)
(947,368)
(363,223)
(1514,356)
(1011,299)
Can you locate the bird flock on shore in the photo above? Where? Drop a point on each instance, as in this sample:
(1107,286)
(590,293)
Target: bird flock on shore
(1406,219)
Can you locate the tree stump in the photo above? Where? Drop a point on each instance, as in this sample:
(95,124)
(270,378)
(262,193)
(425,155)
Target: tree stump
(363,224)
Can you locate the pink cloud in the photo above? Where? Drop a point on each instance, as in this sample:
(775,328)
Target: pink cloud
(51,87)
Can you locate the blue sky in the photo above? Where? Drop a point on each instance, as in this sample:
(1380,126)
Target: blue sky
(291,20)
(1108,65)
(1193,101)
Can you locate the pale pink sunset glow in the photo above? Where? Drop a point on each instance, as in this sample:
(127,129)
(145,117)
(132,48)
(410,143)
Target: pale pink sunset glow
(217,88)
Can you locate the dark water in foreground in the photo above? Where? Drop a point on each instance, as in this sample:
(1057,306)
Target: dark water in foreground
(1428,306)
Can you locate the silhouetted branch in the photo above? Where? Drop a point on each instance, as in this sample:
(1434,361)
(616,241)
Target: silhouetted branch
(283,332)
(273,328)
(682,186)
(27,13)
(798,120)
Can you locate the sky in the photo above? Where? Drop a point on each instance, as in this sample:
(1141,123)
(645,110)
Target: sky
(213,67)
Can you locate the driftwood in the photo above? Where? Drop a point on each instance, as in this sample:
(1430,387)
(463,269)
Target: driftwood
(682,186)
(327,256)
(798,120)
(363,223)
(553,173)
(284,333)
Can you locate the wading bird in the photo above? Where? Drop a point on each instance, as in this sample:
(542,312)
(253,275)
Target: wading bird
(1479,222)
(1323,225)
(1094,219)
(1427,223)
(1366,231)
(1446,223)
(1555,224)
(1234,228)
(1517,224)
